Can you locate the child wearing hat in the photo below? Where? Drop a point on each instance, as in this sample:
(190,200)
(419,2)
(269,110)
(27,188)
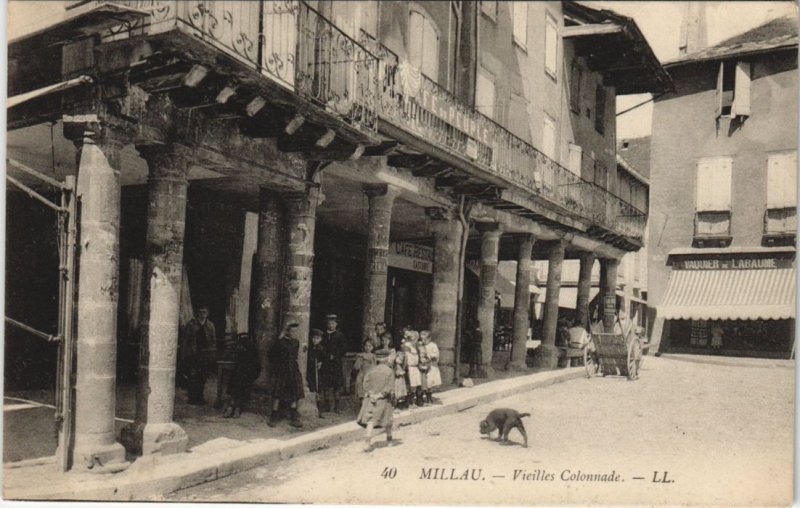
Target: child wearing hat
(364,362)
(432,376)
(376,408)
(315,369)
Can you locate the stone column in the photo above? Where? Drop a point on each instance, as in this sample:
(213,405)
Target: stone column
(609,290)
(447,230)
(547,353)
(153,430)
(98,192)
(298,270)
(490,245)
(522,304)
(381,199)
(584,288)
(268,276)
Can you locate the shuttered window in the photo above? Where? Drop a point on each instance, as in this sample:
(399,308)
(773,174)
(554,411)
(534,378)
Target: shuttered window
(713,192)
(519,15)
(733,89)
(423,44)
(551,46)
(782,180)
(549,137)
(485,93)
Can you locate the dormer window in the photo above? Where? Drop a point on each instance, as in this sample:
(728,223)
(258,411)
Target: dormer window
(733,89)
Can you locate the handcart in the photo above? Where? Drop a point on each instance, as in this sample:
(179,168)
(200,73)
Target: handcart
(611,354)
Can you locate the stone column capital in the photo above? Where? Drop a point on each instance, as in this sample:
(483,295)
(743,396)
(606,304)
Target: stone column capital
(609,261)
(490,228)
(381,190)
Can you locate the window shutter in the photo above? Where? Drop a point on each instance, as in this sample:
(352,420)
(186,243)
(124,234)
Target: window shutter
(575,154)
(741,94)
(415,37)
(520,23)
(782,181)
(430,48)
(549,137)
(713,191)
(721,185)
(719,90)
(551,45)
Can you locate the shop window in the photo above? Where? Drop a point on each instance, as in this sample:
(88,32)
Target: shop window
(485,93)
(780,218)
(575,75)
(423,43)
(712,225)
(600,109)
(519,16)
(550,46)
(733,89)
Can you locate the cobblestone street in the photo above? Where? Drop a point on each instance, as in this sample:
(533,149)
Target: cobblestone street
(684,433)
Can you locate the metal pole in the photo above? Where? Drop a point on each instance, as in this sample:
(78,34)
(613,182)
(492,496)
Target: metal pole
(68,277)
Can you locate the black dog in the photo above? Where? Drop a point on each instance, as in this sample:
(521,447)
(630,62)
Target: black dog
(503,420)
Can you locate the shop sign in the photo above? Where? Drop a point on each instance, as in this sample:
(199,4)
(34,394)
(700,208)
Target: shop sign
(411,256)
(732,264)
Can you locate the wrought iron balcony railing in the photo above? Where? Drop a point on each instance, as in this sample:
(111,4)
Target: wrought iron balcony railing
(285,40)
(415,103)
(295,46)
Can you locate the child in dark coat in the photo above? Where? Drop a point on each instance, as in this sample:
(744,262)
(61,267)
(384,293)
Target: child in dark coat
(244,374)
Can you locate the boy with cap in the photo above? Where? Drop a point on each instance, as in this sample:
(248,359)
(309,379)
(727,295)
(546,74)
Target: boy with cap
(376,408)
(335,344)
(317,368)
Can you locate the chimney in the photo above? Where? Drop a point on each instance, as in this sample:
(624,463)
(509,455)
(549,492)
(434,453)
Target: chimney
(693,35)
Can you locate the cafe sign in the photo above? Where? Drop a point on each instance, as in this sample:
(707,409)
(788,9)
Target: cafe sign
(411,256)
(734,263)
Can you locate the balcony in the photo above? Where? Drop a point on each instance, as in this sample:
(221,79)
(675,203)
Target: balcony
(287,42)
(300,52)
(419,106)
(780,227)
(712,229)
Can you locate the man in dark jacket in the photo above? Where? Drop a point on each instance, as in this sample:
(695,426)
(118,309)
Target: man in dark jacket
(336,346)
(198,353)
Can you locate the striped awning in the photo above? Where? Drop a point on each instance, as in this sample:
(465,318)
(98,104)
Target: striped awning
(730,294)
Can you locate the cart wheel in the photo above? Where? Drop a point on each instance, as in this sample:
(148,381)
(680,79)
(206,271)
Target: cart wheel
(590,363)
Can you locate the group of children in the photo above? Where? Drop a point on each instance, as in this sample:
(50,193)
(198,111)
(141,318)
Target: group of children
(415,366)
(388,379)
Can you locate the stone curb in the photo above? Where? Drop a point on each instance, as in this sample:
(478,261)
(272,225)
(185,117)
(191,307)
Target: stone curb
(151,477)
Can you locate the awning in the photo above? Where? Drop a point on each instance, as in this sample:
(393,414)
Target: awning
(730,294)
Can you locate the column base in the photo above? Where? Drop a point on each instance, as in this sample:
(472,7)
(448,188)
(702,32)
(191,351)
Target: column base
(154,438)
(517,366)
(98,458)
(307,406)
(485,371)
(546,357)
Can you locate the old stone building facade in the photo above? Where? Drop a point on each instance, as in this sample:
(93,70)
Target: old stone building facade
(281,160)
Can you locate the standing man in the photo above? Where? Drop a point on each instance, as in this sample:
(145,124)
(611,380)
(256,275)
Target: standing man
(198,353)
(335,345)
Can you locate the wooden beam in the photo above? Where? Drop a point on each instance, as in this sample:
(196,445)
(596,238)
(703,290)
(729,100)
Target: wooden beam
(294,124)
(408,160)
(593,29)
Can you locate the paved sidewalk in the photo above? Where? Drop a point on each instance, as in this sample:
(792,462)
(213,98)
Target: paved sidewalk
(150,477)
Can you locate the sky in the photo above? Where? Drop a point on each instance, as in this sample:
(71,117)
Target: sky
(660,23)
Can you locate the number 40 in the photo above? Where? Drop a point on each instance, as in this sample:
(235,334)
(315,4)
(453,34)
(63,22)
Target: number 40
(389,472)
